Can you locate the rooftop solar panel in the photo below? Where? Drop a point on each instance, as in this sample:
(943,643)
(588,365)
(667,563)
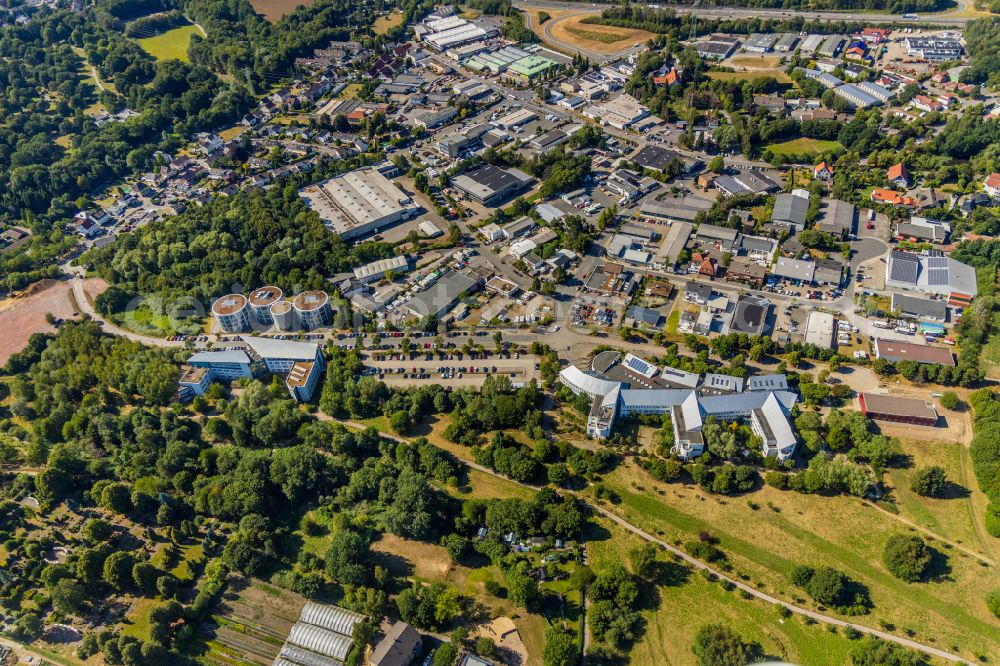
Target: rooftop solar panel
(937,262)
(937,277)
(904,268)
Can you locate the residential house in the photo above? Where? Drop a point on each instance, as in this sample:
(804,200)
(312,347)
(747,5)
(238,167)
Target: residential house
(891,197)
(992,186)
(823,172)
(899,176)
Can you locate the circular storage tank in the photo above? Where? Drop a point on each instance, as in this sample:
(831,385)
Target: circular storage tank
(261,301)
(283,316)
(232,313)
(313,309)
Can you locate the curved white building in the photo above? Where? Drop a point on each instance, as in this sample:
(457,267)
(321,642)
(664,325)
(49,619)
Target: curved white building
(261,301)
(313,309)
(283,315)
(232,312)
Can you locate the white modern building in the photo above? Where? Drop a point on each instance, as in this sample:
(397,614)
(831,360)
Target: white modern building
(232,312)
(313,309)
(300,363)
(765,406)
(261,302)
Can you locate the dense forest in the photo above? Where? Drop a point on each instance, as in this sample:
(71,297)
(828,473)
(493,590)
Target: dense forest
(97,413)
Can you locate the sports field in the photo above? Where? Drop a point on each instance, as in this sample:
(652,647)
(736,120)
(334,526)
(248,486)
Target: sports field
(803,145)
(171,45)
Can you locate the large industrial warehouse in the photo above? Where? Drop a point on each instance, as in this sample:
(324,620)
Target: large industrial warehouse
(489,184)
(359,202)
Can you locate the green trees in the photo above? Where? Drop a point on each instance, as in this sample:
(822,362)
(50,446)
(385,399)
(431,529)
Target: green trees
(872,651)
(718,645)
(560,648)
(347,557)
(929,481)
(118,570)
(949,400)
(830,587)
(907,557)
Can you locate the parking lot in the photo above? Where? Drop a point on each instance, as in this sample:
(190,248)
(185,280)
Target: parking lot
(452,372)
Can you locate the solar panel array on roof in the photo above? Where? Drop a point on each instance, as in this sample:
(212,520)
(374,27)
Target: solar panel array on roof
(937,276)
(638,365)
(904,267)
(937,262)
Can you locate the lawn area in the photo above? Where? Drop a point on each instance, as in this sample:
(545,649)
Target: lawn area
(594,36)
(764,542)
(803,145)
(951,517)
(384,24)
(173,44)
(778,74)
(137,623)
(351,91)
(672,321)
(63,141)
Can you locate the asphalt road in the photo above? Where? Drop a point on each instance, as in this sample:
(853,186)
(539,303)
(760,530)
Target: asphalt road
(951,17)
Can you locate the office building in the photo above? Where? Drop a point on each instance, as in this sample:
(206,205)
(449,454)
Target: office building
(931,272)
(312,309)
(232,313)
(261,301)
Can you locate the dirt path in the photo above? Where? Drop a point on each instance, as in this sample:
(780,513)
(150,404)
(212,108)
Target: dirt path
(968,480)
(935,535)
(83,300)
(698,564)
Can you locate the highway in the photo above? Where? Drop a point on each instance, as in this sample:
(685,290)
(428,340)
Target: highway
(956,16)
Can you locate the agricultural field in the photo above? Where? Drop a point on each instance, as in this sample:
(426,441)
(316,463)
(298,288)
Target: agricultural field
(384,24)
(803,146)
(272,10)
(173,44)
(249,624)
(792,528)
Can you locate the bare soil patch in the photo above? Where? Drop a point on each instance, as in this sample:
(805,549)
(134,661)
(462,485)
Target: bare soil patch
(21,317)
(272,10)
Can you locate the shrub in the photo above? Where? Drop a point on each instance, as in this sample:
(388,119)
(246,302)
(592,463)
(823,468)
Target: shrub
(949,400)
(993,602)
(776,480)
(907,557)
(929,481)
(718,645)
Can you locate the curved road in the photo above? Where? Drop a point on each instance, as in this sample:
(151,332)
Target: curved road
(763,596)
(80,296)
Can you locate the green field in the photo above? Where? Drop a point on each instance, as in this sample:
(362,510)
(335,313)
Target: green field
(790,528)
(683,606)
(173,44)
(803,145)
